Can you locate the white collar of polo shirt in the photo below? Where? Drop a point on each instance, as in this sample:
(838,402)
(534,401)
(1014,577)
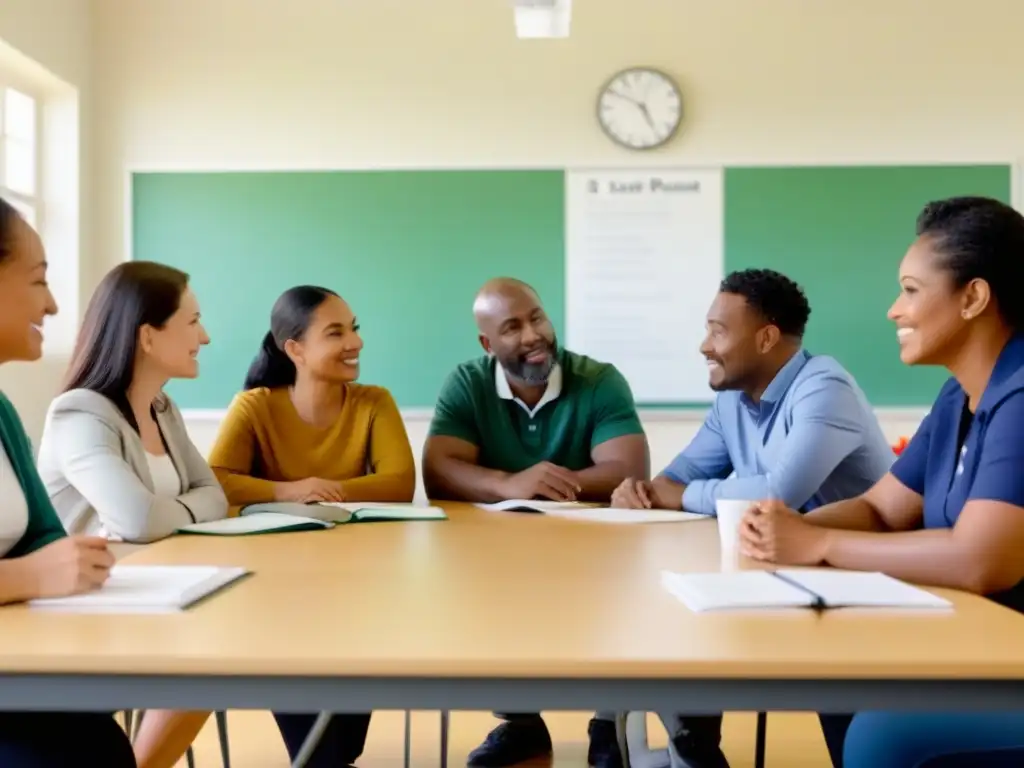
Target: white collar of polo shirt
(552,391)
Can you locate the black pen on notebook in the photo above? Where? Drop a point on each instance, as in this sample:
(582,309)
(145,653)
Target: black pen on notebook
(818,603)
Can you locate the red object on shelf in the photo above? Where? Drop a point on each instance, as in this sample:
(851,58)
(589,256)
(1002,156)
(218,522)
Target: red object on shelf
(900,446)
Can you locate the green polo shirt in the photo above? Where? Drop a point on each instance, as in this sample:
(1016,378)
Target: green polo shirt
(586,403)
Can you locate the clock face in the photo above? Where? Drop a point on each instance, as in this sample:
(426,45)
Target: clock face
(640,108)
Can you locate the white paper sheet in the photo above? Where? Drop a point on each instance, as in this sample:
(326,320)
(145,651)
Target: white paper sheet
(626,516)
(146,589)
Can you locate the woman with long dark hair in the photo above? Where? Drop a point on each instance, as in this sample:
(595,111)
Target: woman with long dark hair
(115,456)
(37,557)
(304,431)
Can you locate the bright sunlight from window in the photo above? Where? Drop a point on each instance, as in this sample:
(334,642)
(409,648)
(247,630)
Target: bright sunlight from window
(19,165)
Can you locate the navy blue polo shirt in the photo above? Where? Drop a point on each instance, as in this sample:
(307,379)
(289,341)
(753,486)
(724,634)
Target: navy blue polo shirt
(956,456)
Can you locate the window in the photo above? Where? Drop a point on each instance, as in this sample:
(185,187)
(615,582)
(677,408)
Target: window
(40,142)
(19,156)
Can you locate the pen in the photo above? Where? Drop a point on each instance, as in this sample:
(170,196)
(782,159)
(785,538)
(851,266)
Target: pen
(817,603)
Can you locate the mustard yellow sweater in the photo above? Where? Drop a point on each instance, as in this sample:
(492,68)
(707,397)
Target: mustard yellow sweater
(262,440)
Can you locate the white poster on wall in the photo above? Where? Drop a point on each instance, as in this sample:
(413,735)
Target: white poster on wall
(644,258)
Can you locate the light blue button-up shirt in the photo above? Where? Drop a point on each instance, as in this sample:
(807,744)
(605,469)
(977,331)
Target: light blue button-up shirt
(812,439)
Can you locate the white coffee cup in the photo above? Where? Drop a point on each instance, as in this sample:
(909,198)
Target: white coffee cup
(730,512)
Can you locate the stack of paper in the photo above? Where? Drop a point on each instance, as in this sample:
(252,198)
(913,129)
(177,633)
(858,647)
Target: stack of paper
(572,510)
(817,588)
(147,589)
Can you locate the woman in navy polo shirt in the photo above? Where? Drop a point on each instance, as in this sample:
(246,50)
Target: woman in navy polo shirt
(950,512)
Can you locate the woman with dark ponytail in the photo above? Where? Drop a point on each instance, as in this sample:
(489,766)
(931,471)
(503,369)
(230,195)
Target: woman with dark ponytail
(271,368)
(304,431)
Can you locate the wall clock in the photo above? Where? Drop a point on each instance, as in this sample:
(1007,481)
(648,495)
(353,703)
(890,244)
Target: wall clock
(640,108)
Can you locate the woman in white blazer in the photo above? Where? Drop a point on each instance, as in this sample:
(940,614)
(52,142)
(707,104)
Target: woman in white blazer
(103,479)
(115,457)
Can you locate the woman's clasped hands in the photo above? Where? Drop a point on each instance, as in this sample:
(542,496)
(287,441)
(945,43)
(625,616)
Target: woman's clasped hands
(772,532)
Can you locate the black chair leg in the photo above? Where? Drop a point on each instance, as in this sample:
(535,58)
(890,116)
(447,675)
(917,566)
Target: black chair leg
(190,758)
(760,739)
(222,735)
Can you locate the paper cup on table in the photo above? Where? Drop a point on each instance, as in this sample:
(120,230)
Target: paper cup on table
(730,512)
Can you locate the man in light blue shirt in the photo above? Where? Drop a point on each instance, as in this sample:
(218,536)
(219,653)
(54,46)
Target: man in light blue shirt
(811,438)
(785,424)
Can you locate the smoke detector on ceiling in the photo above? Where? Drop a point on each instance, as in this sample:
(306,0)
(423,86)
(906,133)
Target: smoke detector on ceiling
(542,18)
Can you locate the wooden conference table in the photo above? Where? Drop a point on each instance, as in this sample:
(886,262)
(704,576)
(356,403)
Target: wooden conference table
(495,611)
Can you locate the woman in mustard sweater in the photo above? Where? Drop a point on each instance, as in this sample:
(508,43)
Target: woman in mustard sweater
(304,431)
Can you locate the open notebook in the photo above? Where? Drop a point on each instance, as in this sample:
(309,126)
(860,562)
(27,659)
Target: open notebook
(283,517)
(147,589)
(817,588)
(574,510)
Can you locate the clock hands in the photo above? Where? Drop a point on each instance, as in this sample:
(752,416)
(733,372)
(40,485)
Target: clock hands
(647,116)
(640,104)
(624,96)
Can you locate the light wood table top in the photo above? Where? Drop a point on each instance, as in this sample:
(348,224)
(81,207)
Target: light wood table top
(497,594)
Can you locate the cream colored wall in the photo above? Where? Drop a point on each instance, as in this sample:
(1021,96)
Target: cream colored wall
(56,33)
(57,36)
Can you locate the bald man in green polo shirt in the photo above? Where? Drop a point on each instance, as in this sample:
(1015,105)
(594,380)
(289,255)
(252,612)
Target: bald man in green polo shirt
(529,420)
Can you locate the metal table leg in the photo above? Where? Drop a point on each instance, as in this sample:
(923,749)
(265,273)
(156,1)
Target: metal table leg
(445,722)
(408,739)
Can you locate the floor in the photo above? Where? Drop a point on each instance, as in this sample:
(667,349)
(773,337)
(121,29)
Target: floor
(794,740)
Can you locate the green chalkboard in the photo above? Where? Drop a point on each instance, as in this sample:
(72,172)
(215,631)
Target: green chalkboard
(841,233)
(408,249)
